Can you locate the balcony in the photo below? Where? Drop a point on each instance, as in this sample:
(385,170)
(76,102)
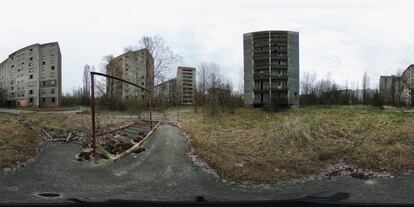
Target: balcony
(262,76)
(274,89)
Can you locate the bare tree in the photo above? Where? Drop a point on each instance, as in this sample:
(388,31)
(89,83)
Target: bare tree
(163,55)
(365,85)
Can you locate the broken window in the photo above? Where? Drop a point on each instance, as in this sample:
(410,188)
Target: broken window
(31,77)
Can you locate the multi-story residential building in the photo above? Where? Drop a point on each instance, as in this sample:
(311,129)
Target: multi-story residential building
(136,67)
(167,91)
(271,68)
(179,90)
(32,77)
(186,85)
(398,90)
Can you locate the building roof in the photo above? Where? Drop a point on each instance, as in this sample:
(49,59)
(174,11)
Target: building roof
(263,31)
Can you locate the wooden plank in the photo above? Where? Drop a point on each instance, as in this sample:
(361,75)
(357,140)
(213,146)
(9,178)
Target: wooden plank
(137,145)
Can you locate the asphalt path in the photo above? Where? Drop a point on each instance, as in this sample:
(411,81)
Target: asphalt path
(164,171)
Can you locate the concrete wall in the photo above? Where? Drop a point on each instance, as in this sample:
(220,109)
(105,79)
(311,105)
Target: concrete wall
(248,69)
(293,68)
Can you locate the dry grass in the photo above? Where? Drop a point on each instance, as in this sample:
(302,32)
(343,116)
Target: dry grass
(268,147)
(18,144)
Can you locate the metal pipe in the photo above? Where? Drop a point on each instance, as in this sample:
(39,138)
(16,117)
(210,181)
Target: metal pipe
(122,80)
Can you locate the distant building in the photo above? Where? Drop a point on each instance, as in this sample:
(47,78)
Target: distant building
(167,91)
(271,68)
(398,90)
(186,85)
(180,90)
(32,77)
(134,66)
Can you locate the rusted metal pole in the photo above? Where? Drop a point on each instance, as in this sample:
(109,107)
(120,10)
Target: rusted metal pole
(150,100)
(93,117)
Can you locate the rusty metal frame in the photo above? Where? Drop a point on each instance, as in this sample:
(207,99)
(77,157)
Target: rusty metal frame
(93,74)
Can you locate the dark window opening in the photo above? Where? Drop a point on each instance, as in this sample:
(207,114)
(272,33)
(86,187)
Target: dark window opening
(31,58)
(31,77)
(53,100)
(53,67)
(31,92)
(44,100)
(43,63)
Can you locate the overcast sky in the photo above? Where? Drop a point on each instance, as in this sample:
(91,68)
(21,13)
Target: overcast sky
(345,38)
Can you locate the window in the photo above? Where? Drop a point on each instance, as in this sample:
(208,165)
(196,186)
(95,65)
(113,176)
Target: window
(31,58)
(142,77)
(52,82)
(22,63)
(142,83)
(44,100)
(30,91)
(53,67)
(53,100)
(31,49)
(31,70)
(11,88)
(31,77)
(31,100)
(12,66)
(52,91)
(43,63)
(43,83)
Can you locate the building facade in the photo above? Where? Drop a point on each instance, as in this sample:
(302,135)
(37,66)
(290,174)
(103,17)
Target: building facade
(271,68)
(32,77)
(166,92)
(398,90)
(136,67)
(186,85)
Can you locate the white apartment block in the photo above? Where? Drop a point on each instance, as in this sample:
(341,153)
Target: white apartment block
(186,85)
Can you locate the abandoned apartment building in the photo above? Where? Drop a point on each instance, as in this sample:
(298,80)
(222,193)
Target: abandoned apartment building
(398,90)
(31,77)
(271,68)
(179,90)
(136,67)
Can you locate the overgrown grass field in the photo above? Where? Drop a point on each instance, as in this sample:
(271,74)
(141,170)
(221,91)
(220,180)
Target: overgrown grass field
(253,145)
